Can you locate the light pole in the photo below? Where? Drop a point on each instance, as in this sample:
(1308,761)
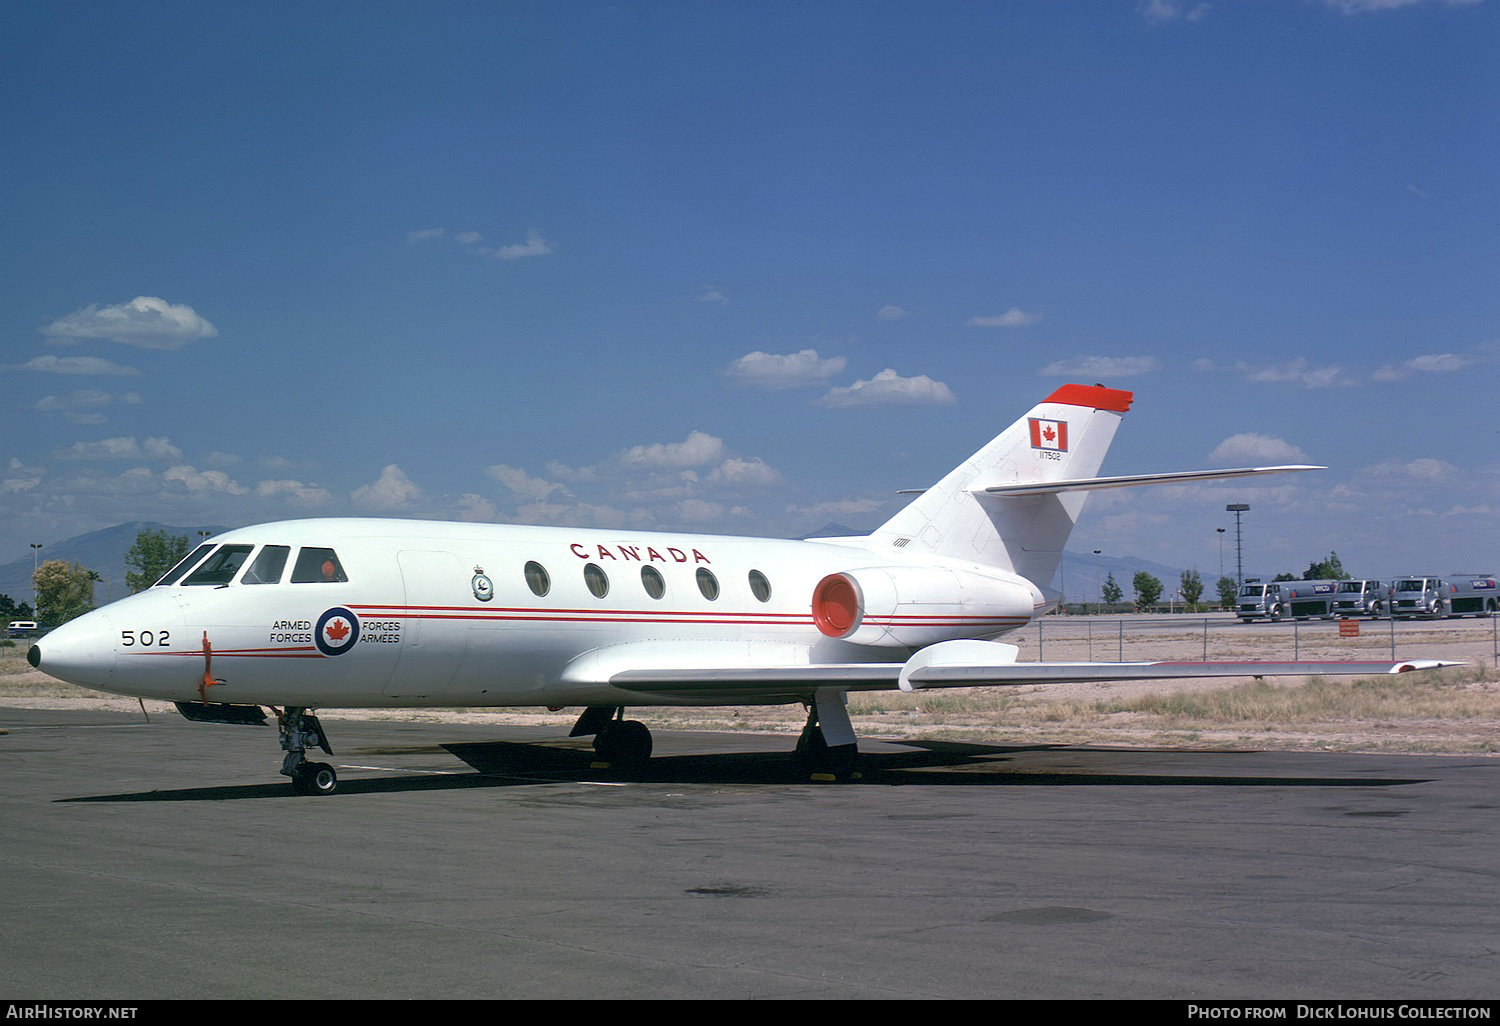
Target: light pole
(1238,508)
(1220,530)
(1098,588)
(35,553)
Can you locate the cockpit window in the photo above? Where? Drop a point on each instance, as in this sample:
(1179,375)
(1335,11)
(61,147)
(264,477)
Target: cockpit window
(188,562)
(221,567)
(317,566)
(268,565)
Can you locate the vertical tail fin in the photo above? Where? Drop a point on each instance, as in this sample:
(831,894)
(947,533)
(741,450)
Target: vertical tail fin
(1065,436)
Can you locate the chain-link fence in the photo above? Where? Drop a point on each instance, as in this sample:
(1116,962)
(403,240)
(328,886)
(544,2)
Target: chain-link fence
(1221,636)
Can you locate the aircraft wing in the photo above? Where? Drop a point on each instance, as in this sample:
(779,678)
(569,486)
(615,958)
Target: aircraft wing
(961,664)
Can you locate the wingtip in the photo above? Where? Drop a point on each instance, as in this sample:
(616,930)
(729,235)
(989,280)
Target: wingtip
(1425,664)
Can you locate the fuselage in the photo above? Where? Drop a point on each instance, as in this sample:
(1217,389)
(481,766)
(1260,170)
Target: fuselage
(358,612)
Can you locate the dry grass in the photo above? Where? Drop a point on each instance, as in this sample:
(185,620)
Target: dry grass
(1449,711)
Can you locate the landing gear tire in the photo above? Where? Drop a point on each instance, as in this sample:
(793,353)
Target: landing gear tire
(315,778)
(624,742)
(822,761)
(811,748)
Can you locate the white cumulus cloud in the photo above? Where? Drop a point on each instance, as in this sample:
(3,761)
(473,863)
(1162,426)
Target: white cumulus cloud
(393,490)
(697,450)
(1015,317)
(519,481)
(1297,372)
(85,365)
(1251,449)
(200,481)
(122,449)
(534,245)
(785,370)
(744,473)
(145,321)
(1429,363)
(296,492)
(1366,6)
(890,389)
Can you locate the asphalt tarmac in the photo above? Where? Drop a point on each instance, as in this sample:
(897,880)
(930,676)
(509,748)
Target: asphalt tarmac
(170,860)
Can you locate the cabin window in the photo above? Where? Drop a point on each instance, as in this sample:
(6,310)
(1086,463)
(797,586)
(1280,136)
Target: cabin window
(318,566)
(537,579)
(268,565)
(759,586)
(653,582)
(708,583)
(187,563)
(596,579)
(221,567)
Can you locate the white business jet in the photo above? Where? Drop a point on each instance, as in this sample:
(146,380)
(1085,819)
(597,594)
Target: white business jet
(343,613)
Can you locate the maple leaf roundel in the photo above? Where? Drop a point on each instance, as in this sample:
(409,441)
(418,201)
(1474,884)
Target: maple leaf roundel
(337,631)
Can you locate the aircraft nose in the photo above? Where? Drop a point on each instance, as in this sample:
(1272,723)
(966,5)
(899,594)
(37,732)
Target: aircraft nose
(81,651)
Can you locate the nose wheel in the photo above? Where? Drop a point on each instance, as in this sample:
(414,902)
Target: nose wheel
(315,778)
(299,731)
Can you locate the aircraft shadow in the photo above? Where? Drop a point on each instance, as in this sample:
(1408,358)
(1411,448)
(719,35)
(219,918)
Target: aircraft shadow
(925,764)
(922,764)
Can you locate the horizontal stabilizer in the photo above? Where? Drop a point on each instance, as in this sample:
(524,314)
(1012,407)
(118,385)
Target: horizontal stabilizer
(1089,484)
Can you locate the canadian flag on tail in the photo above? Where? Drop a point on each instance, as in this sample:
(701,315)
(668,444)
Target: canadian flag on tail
(1049,434)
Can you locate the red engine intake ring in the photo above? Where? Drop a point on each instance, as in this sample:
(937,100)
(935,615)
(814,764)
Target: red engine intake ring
(835,606)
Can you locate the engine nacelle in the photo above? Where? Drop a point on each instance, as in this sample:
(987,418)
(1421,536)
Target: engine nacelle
(912,606)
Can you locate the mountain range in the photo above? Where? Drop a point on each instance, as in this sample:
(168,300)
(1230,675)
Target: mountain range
(101,551)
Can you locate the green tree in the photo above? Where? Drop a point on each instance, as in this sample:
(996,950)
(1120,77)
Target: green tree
(1330,569)
(1192,588)
(1227,589)
(63,591)
(152,555)
(1110,591)
(1147,589)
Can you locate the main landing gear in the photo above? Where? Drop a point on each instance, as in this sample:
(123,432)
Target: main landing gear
(300,730)
(617,741)
(827,749)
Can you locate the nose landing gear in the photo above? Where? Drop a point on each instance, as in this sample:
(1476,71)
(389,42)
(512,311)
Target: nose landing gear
(300,730)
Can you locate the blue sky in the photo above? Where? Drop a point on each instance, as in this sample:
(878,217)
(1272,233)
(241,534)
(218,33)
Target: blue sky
(751,267)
